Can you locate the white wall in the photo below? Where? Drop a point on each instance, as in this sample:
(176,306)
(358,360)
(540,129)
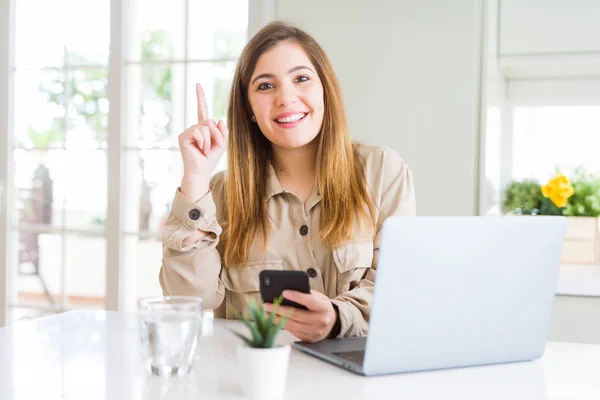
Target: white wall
(550,38)
(549,27)
(575,319)
(410,74)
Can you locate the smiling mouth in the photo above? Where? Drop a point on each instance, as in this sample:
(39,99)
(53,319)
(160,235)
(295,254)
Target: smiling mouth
(292,119)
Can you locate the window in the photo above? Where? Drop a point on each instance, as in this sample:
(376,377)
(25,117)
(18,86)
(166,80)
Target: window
(549,137)
(541,125)
(59,153)
(61,142)
(168,53)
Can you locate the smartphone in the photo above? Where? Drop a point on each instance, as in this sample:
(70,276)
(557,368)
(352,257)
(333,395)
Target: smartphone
(273,283)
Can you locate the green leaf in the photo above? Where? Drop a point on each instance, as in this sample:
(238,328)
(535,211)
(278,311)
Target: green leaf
(256,334)
(244,338)
(259,315)
(264,329)
(585,201)
(236,313)
(272,334)
(547,207)
(276,304)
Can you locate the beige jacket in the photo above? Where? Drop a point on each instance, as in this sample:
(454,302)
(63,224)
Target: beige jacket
(345,274)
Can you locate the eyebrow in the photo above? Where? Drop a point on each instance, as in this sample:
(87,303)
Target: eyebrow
(292,70)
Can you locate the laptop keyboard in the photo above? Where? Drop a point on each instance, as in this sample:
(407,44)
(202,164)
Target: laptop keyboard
(354,356)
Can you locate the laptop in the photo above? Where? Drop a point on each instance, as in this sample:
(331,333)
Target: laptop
(456,292)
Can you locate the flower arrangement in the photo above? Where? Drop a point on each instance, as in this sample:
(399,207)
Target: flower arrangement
(558,190)
(575,197)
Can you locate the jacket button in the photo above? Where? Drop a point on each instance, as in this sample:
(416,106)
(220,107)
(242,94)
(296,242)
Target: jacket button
(303,230)
(311,272)
(194,214)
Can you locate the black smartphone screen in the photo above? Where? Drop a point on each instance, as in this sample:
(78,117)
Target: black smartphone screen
(273,283)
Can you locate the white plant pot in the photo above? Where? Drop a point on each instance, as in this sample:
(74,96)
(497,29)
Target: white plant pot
(263,372)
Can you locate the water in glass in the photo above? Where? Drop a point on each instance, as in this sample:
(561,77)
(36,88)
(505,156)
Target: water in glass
(170,329)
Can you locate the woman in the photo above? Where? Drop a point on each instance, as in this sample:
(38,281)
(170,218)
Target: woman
(297,194)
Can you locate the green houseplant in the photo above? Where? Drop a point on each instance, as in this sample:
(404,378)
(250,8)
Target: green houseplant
(263,328)
(585,201)
(263,363)
(523,197)
(577,198)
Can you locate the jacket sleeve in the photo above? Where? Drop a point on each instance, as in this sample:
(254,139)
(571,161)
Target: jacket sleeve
(396,197)
(193,269)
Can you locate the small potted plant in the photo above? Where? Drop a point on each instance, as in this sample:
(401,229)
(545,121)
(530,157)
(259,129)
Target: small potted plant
(577,198)
(263,363)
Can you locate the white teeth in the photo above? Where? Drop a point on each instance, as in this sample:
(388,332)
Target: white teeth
(291,118)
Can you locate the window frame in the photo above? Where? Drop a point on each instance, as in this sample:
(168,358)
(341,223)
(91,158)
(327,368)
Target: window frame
(7,13)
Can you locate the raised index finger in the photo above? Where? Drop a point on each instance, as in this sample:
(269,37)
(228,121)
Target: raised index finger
(202,108)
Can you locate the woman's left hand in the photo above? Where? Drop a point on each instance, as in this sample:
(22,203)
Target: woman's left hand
(309,325)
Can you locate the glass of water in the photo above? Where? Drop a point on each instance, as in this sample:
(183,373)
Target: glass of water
(170,328)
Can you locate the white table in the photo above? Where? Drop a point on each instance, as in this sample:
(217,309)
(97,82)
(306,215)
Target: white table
(95,355)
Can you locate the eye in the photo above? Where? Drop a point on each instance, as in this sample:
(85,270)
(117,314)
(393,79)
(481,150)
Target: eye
(302,78)
(265,86)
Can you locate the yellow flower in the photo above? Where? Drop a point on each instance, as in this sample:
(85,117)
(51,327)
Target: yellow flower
(558,189)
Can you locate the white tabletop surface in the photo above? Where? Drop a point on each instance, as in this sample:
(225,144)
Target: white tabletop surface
(95,355)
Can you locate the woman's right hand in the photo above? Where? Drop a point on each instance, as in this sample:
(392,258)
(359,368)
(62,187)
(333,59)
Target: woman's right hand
(201,146)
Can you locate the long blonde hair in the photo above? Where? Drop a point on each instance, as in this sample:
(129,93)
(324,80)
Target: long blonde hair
(342,184)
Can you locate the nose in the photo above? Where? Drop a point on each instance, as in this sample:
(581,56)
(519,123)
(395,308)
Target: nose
(286,95)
